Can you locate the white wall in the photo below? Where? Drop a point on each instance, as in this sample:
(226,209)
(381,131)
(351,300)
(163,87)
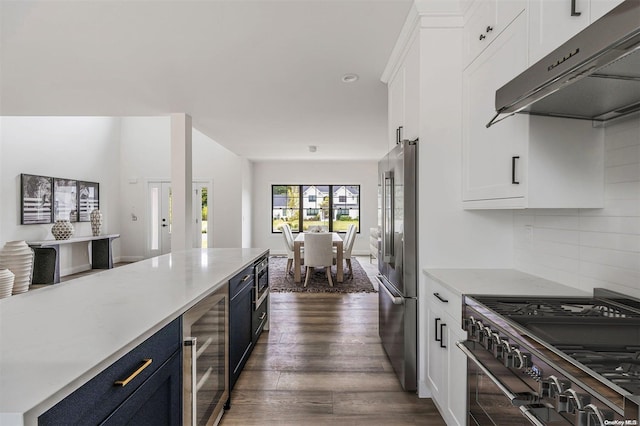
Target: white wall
(212,161)
(265,174)
(146,156)
(590,248)
(82,148)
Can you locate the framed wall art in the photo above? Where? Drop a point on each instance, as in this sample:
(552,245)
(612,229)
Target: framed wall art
(65,199)
(88,199)
(37,196)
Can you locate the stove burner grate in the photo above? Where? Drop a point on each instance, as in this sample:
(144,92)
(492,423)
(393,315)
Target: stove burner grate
(557,308)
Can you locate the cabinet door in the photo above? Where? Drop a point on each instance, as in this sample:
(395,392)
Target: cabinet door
(240,331)
(456,374)
(158,401)
(396,105)
(411,124)
(436,363)
(488,153)
(552,23)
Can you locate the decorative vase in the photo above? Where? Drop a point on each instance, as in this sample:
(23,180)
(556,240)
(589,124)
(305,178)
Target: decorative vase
(17,257)
(62,229)
(96,222)
(6,283)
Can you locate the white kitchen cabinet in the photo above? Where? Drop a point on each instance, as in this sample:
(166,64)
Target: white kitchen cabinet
(523,161)
(554,22)
(489,154)
(446,364)
(487,19)
(404,97)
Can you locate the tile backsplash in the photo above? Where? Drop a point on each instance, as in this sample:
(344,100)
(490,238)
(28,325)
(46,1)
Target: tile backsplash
(587,248)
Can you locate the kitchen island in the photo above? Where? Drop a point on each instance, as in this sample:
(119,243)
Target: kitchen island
(56,339)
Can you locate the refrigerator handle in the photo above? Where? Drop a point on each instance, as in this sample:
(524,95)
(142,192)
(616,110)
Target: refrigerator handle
(387,217)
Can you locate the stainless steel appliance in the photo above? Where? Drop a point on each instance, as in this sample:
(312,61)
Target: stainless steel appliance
(553,361)
(205,359)
(261,282)
(595,75)
(397,259)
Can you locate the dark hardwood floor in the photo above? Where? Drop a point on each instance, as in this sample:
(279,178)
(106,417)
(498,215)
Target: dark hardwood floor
(322,363)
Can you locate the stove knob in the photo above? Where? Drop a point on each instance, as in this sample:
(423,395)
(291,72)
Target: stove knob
(552,386)
(523,359)
(477,332)
(593,416)
(570,401)
(497,345)
(487,341)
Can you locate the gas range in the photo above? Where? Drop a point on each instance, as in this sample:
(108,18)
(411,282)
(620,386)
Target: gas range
(570,361)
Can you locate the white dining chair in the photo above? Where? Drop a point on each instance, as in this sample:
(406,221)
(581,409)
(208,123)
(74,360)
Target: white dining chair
(347,246)
(318,252)
(287,234)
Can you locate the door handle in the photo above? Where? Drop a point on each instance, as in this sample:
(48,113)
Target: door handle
(513,170)
(442,326)
(574,12)
(436,321)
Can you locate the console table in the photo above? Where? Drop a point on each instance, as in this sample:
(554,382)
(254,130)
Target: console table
(46,259)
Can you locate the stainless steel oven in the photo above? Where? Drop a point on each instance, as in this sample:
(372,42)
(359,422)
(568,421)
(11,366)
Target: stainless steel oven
(261,282)
(553,361)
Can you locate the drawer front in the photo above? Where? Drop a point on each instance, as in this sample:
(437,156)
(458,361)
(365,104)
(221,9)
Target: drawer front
(445,299)
(101,395)
(259,319)
(237,283)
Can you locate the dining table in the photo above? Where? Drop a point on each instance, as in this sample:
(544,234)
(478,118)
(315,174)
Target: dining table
(298,243)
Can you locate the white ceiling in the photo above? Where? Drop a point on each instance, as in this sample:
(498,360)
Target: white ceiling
(262,78)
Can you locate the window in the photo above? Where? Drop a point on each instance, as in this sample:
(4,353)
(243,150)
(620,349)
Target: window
(333,207)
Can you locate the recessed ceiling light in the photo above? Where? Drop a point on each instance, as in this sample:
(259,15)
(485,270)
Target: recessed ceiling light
(350,78)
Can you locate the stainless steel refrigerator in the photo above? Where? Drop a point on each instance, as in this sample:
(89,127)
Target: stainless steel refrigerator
(397,259)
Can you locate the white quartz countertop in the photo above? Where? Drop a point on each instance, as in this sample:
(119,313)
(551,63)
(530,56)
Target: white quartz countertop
(55,339)
(499,282)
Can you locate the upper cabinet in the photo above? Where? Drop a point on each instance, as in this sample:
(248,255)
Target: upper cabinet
(554,22)
(486,21)
(404,97)
(523,161)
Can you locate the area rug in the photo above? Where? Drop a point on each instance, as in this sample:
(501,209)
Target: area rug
(280,282)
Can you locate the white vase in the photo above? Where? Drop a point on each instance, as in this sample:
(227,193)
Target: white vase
(17,256)
(6,283)
(96,222)
(62,229)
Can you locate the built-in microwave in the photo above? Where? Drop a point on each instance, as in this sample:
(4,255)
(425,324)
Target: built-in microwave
(261,282)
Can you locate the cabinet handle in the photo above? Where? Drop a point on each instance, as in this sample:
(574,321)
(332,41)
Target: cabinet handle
(145,363)
(513,170)
(482,37)
(246,277)
(436,331)
(489,28)
(440,298)
(574,12)
(442,345)
(400,134)
(263,315)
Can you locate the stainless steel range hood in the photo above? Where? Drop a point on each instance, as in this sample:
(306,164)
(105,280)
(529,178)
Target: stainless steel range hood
(593,76)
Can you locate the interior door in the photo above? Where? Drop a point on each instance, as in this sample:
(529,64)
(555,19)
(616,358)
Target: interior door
(201,226)
(160,218)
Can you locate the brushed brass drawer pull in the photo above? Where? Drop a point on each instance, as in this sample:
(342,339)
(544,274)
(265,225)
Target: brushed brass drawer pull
(146,362)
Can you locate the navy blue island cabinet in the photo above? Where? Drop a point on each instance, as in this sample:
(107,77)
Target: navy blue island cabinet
(144,387)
